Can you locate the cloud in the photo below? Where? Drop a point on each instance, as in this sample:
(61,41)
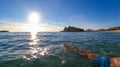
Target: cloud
(81,21)
(77,22)
(13,27)
(25,27)
(90,25)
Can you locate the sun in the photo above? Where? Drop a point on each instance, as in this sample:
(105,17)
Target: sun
(34,17)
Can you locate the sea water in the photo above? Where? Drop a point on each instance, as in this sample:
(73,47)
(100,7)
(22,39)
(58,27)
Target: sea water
(18,49)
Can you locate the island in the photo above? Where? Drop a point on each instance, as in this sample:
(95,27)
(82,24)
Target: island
(72,29)
(4,31)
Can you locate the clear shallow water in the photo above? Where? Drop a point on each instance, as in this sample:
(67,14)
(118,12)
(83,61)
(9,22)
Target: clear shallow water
(19,50)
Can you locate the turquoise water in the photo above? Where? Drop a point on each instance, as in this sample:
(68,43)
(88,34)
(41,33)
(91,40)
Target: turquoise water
(20,50)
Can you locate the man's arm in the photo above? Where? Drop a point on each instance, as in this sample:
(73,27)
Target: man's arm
(81,52)
(115,62)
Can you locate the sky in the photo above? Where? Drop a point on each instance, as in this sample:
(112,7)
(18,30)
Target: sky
(57,14)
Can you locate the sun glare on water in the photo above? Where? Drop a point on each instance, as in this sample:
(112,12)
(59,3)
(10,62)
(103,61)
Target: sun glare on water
(35,49)
(34,19)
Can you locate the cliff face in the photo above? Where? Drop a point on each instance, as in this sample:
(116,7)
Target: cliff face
(72,29)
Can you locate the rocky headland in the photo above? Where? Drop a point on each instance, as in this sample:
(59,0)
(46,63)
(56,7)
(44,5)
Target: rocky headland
(72,29)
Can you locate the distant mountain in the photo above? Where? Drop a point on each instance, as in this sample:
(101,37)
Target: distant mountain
(89,30)
(72,29)
(4,31)
(110,29)
(101,30)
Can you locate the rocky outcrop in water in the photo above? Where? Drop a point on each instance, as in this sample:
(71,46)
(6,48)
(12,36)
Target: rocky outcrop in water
(4,31)
(72,29)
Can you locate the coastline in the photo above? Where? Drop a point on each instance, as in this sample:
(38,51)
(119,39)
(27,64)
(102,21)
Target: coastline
(113,31)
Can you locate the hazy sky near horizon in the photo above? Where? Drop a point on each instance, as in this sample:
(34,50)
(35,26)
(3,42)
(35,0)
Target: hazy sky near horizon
(56,14)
